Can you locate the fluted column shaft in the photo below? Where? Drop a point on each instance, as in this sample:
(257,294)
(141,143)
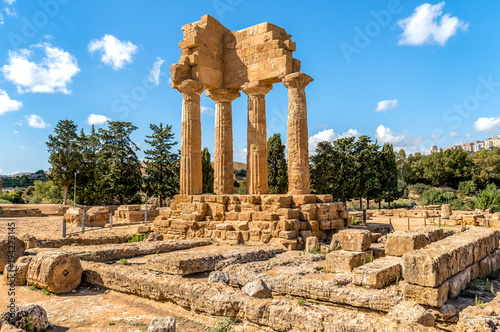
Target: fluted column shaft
(191,180)
(298,147)
(257,139)
(223,150)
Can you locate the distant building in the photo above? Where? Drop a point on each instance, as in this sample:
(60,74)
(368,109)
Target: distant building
(493,142)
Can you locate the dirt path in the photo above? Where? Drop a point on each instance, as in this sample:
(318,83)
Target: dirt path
(90,310)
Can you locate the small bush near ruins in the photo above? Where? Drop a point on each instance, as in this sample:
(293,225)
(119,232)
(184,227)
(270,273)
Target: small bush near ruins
(138,238)
(489,198)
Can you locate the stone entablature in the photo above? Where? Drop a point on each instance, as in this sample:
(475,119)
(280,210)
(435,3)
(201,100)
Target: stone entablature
(224,63)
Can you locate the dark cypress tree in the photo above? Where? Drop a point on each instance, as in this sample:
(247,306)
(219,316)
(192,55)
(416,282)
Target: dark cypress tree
(277,170)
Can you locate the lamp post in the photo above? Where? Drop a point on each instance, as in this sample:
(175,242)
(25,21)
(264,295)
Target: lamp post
(74,194)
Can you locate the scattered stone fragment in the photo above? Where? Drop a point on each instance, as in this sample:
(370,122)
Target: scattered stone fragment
(218,277)
(39,320)
(379,273)
(411,312)
(257,289)
(355,239)
(162,324)
(312,244)
(10,245)
(345,261)
(16,273)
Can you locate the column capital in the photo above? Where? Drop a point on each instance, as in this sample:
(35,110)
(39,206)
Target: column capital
(190,87)
(297,80)
(256,88)
(222,95)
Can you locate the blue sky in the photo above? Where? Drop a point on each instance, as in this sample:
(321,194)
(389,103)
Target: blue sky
(411,73)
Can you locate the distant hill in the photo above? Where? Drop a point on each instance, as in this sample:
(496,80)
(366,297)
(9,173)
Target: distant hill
(237,165)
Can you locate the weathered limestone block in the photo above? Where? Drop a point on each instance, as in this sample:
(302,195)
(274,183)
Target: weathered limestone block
(434,297)
(14,248)
(38,322)
(300,200)
(411,312)
(439,261)
(16,274)
(345,261)
(446,211)
(379,273)
(162,324)
(57,272)
(401,242)
(458,282)
(257,289)
(312,244)
(355,240)
(433,234)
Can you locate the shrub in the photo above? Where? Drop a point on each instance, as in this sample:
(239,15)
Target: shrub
(467,187)
(419,188)
(489,198)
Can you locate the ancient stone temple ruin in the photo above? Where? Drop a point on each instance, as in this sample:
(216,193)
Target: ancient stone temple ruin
(225,63)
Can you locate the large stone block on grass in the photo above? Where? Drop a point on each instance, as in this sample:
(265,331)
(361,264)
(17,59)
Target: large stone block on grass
(401,242)
(379,273)
(432,296)
(56,272)
(355,239)
(345,261)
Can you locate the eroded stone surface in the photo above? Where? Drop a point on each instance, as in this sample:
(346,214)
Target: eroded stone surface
(401,242)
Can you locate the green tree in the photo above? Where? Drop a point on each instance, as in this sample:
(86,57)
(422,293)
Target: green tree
(120,165)
(388,176)
(446,168)
(162,170)
(64,156)
(277,171)
(90,182)
(467,187)
(332,169)
(367,169)
(208,172)
(486,168)
(24,180)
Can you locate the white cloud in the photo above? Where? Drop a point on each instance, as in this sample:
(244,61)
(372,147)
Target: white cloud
(207,110)
(330,136)
(15,132)
(487,124)
(154,75)
(36,121)
(468,135)
(385,105)
(11,11)
(114,52)
(240,154)
(9,2)
(52,74)
(400,141)
(1,19)
(455,134)
(19,123)
(96,119)
(24,148)
(7,104)
(427,24)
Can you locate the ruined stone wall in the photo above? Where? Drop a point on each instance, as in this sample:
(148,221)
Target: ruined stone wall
(276,219)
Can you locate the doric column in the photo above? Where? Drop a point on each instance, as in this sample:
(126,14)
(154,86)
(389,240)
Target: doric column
(191,171)
(223,150)
(257,139)
(298,147)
